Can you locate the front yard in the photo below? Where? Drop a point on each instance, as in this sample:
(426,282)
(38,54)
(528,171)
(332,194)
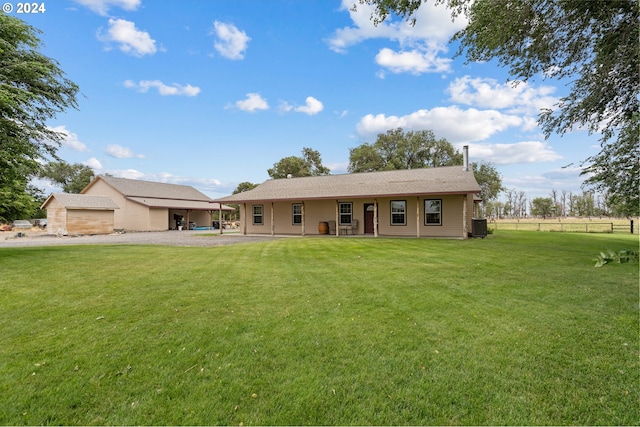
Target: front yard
(518,328)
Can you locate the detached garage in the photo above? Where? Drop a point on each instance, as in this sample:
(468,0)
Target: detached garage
(79,214)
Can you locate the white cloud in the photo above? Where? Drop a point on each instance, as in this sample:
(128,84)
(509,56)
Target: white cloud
(121,152)
(413,61)
(93,163)
(452,123)
(312,106)
(163,89)
(102,7)
(128,173)
(131,40)
(253,102)
(517,153)
(70,139)
(516,97)
(231,42)
(420,45)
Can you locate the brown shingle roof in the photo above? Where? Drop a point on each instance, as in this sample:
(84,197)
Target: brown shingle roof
(441,180)
(82,201)
(149,189)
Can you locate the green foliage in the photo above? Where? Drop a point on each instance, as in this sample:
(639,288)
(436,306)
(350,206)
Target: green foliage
(489,180)
(618,257)
(33,89)
(244,186)
(593,44)
(310,164)
(321,331)
(72,177)
(397,149)
(542,206)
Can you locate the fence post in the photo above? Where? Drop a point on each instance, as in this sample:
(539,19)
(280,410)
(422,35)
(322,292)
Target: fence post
(631,227)
(611,228)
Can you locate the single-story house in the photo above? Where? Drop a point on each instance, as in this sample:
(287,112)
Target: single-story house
(155,206)
(79,214)
(430,202)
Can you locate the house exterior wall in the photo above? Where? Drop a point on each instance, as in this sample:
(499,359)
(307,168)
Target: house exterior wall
(131,216)
(454,223)
(158,219)
(56,216)
(84,221)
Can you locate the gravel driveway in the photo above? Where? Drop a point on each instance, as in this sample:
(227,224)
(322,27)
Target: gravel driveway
(170,238)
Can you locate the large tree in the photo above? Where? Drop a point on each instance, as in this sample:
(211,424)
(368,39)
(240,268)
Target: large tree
(593,44)
(72,177)
(310,164)
(489,179)
(33,89)
(397,149)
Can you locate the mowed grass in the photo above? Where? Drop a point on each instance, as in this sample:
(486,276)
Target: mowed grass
(518,328)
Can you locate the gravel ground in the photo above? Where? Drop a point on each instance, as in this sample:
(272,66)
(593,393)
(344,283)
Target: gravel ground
(170,238)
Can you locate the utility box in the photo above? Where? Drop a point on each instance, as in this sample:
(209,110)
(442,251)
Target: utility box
(479,227)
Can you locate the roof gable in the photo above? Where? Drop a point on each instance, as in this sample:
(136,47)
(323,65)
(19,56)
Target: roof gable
(441,180)
(82,201)
(149,189)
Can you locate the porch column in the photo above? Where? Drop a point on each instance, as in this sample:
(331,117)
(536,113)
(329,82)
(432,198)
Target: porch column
(220,218)
(273,224)
(375,217)
(464,217)
(302,218)
(418,217)
(337,218)
(244,217)
(188,210)
(210,219)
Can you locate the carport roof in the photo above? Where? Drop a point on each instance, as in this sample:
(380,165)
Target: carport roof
(149,189)
(82,201)
(160,194)
(179,204)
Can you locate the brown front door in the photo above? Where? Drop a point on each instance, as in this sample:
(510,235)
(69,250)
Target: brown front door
(368,218)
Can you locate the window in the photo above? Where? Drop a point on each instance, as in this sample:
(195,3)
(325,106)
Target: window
(346,213)
(258,214)
(433,212)
(296,212)
(398,212)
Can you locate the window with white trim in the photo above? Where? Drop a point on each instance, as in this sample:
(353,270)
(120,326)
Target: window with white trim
(296,214)
(433,212)
(346,213)
(398,212)
(258,214)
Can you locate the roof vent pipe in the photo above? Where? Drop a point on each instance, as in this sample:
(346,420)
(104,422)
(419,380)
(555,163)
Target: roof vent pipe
(465,158)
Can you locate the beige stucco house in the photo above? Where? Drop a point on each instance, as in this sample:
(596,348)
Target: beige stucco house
(154,206)
(79,214)
(110,203)
(431,202)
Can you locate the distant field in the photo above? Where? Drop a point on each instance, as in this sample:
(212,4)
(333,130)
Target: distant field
(519,328)
(575,225)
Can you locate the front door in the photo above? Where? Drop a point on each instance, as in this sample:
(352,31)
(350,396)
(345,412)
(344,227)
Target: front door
(368,218)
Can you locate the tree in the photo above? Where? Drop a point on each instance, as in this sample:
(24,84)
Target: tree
(72,177)
(542,206)
(489,180)
(399,150)
(244,186)
(33,89)
(310,164)
(593,44)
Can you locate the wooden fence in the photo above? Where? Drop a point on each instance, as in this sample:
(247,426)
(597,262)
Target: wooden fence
(567,227)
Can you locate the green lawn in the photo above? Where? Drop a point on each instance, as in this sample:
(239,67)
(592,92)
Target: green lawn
(518,328)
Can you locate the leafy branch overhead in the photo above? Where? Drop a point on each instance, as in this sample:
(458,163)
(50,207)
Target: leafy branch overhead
(33,89)
(592,44)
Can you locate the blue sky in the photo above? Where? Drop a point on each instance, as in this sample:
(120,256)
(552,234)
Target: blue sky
(211,93)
